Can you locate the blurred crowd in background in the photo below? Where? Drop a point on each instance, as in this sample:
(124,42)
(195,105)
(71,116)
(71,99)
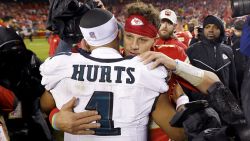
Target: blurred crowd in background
(30,17)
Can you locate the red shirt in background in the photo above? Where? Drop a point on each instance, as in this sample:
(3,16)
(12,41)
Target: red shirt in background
(8,100)
(53,44)
(184,36)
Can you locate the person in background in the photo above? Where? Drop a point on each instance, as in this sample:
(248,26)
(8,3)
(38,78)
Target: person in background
(182,35)
(8,103)
(228,36)
(197,35)
(239,58)
(21,83)
(168,22)
(245,86)
(172,47)
(211,54)
(191,24)
(53,41)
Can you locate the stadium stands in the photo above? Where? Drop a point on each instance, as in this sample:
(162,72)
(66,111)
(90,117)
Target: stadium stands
(22,14)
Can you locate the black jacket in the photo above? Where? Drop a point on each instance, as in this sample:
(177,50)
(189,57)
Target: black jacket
(240,61)
(19,72)
(245,92)
(215,57)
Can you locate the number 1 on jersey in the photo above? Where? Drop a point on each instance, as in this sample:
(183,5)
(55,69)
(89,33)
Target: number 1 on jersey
(103,103)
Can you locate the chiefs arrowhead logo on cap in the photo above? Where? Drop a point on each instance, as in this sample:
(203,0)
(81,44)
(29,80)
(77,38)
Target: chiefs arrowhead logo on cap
(168,13)
(136,22)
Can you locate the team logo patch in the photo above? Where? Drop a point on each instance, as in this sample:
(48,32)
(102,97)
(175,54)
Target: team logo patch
(168,13)
(136,22)
(92,35)
(224,56)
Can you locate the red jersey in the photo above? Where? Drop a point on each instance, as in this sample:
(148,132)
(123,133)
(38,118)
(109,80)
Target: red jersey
(8,100)
(53,44)
(184,36)
(175,50)
(2,24)
(172,48)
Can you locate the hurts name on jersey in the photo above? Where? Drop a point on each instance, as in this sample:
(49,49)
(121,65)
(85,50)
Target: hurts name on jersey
(91,73)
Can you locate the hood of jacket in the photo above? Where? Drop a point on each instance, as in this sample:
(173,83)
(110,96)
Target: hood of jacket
(210,19)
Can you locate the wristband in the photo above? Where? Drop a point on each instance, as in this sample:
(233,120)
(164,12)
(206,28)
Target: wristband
(53,122)
(52,117)
(183,99)
(190,73)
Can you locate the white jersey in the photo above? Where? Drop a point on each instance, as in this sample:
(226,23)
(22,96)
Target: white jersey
(122,90)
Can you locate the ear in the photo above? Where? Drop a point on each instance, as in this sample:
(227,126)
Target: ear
(174,25)
(84,45)
(88,47)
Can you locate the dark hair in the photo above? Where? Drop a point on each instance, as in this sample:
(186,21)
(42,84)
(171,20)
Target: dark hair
(148,11)
(101,17)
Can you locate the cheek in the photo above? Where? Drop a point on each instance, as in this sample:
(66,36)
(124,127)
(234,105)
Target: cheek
(126,42)
(146,47)
(126,47)
(217,33)
(161,26)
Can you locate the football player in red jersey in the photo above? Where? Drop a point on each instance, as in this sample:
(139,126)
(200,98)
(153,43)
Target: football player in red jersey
(169,45)
(134,44)
(182,35)
(166,31)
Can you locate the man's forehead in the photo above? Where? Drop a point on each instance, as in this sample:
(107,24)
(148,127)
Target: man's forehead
(209,25)
(166,20)
(135,35)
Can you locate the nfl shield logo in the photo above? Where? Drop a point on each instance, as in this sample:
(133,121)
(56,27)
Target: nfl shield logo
(92,35)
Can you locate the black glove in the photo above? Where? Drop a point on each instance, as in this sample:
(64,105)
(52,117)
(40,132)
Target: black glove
(189,109)
(195,118)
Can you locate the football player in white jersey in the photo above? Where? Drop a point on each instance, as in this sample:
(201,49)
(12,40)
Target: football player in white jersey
(101,82)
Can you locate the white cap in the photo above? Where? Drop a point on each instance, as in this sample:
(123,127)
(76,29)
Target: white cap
(168,14)
(101,35)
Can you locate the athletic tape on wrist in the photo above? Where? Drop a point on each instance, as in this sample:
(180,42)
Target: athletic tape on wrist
(190,73)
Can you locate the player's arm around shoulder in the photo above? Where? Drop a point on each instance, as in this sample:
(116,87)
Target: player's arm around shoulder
(47,102)
(162,114)
(52,70)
